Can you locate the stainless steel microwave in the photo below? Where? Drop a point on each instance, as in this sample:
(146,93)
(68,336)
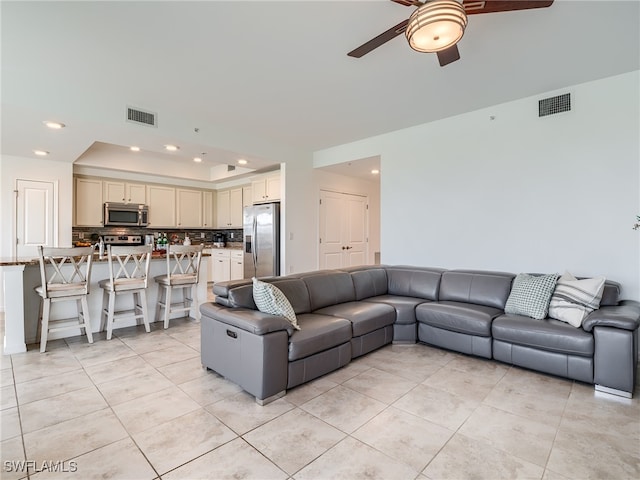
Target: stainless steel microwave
(125,215)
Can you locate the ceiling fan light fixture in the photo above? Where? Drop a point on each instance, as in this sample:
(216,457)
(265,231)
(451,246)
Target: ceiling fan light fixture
(436,25)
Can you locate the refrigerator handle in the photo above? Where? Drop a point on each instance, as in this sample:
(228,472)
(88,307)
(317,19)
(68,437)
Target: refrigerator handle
(255,239)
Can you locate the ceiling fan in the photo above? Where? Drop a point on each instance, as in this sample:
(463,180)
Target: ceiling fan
(437,25)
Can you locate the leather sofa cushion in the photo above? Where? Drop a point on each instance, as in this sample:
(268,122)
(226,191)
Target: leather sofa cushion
(369,283)
(610,294)
(318,333)
(479,287)
(458,317)
(548,334)
(294,289)
(414,282)
(365,317)
(405,307)
(327,289)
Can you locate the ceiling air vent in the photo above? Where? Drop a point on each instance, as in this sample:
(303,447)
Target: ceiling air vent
(553,105)
(135,115)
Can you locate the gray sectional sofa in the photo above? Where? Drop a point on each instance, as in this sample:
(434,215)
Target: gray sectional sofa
(344,314)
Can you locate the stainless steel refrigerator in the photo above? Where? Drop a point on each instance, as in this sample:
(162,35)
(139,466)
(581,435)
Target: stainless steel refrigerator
(261,240)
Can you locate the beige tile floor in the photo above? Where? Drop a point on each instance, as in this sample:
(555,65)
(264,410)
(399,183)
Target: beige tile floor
(141,407)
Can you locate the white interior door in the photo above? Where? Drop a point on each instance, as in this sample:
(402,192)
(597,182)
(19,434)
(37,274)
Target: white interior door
(35,216)
(343,230)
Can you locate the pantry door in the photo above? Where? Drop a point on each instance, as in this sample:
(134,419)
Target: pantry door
(35,216)
(344,230)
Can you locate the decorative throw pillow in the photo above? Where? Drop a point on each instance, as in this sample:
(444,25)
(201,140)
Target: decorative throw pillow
(270,299)
(574,299)
(530,295)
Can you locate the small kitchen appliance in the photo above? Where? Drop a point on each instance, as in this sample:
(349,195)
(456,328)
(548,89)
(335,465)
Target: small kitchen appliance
(218,240)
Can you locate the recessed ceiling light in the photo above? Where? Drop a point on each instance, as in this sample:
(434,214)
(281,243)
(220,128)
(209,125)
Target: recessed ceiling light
(242,161)
(54,125)
(197,159)
(375,171)
(172,148)
(42,153)
(134,149)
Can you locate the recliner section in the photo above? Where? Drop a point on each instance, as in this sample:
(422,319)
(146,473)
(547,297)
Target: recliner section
(344,314)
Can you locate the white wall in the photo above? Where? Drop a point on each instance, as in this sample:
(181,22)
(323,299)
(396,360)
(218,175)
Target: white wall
(517,193)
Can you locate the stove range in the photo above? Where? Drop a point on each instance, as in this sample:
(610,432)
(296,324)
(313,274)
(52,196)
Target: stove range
(122,239)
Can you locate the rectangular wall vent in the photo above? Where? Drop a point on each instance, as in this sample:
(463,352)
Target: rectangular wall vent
(553,105)
(231,168)
(135,115)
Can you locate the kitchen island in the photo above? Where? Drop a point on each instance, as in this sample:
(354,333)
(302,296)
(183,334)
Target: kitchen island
(22,303)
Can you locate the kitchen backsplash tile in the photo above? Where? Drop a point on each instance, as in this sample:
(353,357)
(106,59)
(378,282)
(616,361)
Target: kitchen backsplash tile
(177,236)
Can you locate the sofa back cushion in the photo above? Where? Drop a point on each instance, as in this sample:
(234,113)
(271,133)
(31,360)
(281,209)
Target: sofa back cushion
(329,288)
(294,289)
(478,287)
(369,283)
(414,282)
(610,294)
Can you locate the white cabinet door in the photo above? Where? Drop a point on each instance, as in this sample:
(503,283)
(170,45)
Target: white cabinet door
(210,263)
(114,192)
(221,265)
(122,192)
(273,188)
(247,200)
(266,189)
(235,207)
(162,206)
(189,208)
(223,198)
(88,202)
(237,265)
(136,193)
(207,209)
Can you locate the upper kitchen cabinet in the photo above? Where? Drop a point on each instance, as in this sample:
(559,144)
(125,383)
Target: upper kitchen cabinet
(266,189)
(229,208)
(207,209)
(189,206)
(122,192)
(88,200)
(247,199)
(162,206)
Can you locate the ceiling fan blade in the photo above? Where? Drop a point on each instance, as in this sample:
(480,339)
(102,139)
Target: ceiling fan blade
(379,40)
(449,55)
(472,7)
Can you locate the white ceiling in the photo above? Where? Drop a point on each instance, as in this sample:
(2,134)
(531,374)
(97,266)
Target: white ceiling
(263,79)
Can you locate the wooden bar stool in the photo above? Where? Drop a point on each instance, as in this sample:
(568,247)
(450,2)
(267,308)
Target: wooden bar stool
(65,274)
(128,274)
(184,276)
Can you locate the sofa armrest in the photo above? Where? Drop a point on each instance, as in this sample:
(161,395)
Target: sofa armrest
(252,321)
(625,315)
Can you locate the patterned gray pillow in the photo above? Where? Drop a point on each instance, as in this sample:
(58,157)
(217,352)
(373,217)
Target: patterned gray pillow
(530,295)
(270,299)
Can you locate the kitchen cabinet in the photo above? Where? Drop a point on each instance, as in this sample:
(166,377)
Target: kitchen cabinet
(122,192)
(210,262)
(237,265)
(229,208)
(162,206)
(247,200)
(207,209)
(221,264)
(88,200)
(266,189)
(189,208)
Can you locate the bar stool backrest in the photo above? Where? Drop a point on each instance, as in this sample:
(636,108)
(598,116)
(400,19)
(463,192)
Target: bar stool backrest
(186,263)
(65,271)
(129,266)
